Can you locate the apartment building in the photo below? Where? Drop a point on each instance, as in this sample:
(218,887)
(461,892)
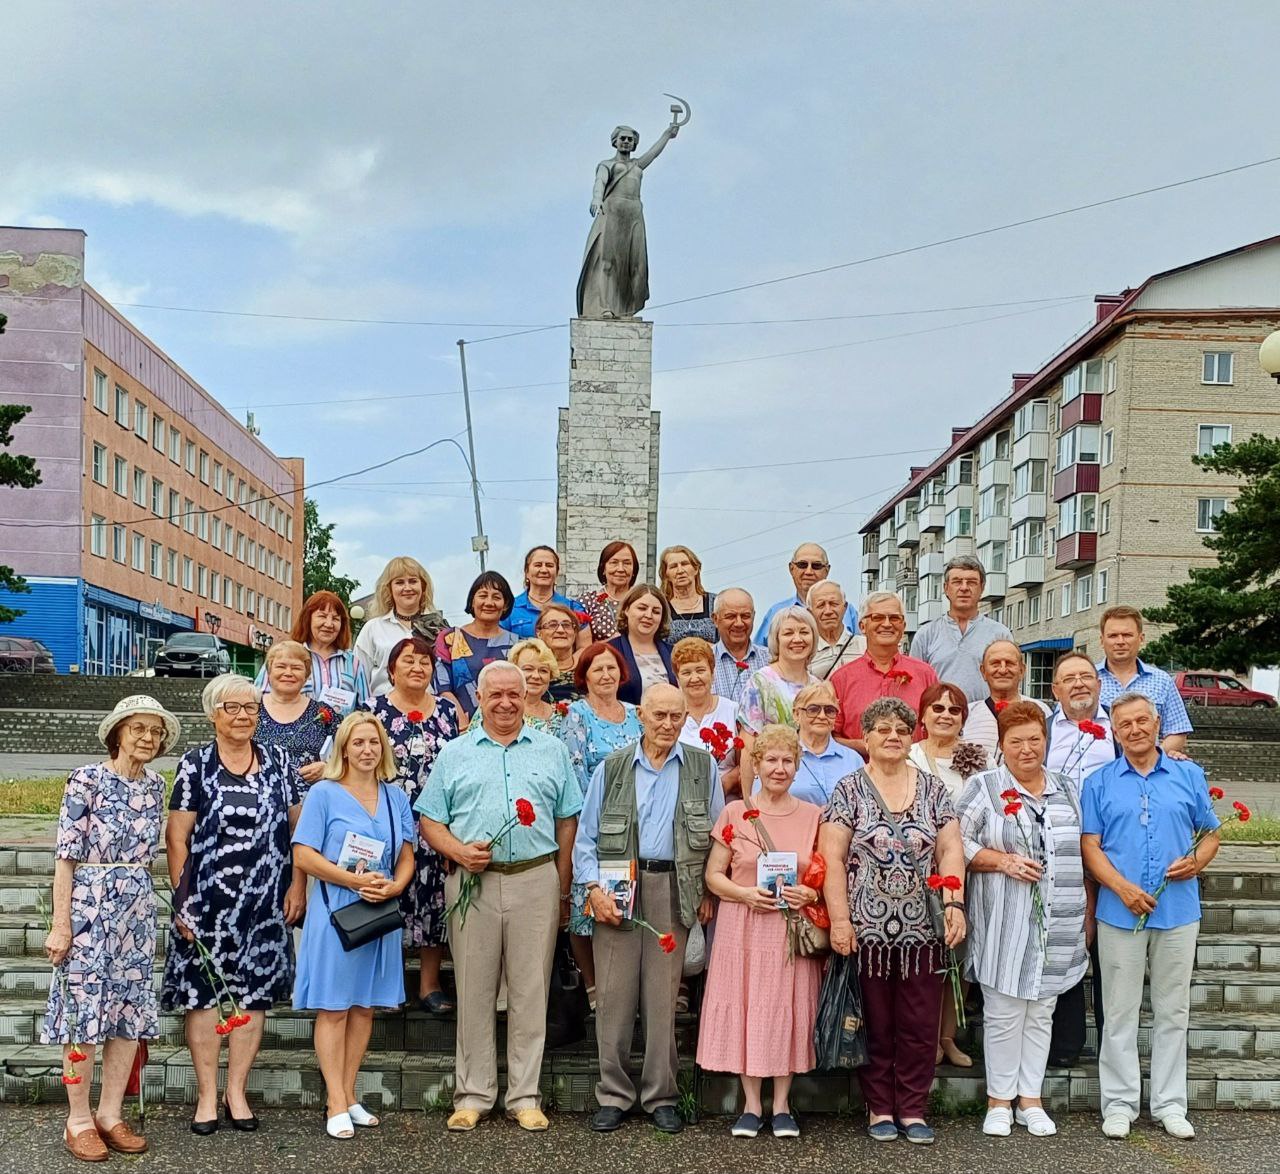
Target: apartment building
(1077,491)
(157,511)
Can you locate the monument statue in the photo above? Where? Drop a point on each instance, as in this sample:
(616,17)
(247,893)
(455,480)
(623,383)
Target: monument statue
(614,282)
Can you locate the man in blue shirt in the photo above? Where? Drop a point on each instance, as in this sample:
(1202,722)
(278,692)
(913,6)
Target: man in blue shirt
(809,565)
(652,806)
(1142,815)
(1120,671)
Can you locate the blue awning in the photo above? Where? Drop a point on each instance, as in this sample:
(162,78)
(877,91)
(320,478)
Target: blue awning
(1058,644)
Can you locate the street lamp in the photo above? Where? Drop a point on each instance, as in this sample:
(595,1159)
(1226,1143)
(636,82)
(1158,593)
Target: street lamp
(1269,355)
(357,613)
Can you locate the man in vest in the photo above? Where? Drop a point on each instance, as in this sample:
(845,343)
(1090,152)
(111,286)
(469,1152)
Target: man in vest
(650,806)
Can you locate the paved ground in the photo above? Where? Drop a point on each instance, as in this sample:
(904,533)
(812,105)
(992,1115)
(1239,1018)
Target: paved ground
(1227,1142)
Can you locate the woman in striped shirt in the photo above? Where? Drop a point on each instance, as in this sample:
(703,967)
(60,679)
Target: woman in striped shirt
(337,679)
(1026,905)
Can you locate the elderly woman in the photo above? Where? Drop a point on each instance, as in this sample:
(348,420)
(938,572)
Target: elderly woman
(823,760)
(403,605)
(694,663)
(290,719)
(541,569)
(680,573)
(538,664)
(616,572)
(760,1003)
(351,817)
(335,677)
(463,651)
(102,940)
(886,829)
(1021,827)
(557,627)
(771,691)
(597,724)
(643,623)
(233,809)
(418,724)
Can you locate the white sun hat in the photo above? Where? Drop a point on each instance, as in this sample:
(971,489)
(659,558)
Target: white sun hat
(140,703)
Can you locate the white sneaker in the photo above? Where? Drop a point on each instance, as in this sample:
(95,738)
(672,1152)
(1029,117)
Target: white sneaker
(998,1122)
(1036,1121)
(1176,1125)
(1116,1126)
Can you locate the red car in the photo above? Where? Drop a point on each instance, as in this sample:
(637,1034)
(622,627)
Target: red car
(1203,688)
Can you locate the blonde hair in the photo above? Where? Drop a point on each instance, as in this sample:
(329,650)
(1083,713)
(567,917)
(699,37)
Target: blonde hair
(667,588)
(401,566)
(818,691)
(805,616)
(538,648)
(291,649)
(337,764)
(775,737)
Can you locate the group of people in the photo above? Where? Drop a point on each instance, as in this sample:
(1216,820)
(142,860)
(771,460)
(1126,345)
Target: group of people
(629,767)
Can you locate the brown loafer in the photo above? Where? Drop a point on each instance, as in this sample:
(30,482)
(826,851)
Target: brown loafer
(121,1138)
(86,1145)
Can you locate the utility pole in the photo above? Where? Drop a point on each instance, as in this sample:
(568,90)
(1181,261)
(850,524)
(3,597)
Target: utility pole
(480,543)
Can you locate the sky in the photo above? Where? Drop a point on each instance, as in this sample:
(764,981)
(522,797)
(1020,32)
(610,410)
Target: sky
(433,162)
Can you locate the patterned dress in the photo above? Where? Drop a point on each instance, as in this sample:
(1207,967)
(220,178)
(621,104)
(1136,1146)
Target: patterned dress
(695,623)
(102,989)
(603,614)
(231,892)
(416,745)
(767,699)
(459,658)
(303,737)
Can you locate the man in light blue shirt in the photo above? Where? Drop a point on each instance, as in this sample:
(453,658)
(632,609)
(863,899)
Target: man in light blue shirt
(1142,814)
(1121,671)
(478,784)
(736,657)
(809,565)
(651,805)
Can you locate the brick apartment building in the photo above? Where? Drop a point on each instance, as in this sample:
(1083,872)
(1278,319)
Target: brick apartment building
(1077,490)
(157,511)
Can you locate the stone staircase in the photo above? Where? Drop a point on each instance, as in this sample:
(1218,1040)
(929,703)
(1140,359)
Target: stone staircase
(1234,1041)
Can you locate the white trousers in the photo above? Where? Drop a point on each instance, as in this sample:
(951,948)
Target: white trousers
(1015,1043)
(1170,954)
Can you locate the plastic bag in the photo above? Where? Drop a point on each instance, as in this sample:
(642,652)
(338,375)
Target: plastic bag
(839,1034)
(695,952)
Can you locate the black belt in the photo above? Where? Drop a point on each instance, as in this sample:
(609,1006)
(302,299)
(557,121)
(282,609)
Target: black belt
(657,865)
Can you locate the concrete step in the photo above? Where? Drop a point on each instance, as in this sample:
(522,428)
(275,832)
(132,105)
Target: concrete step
(1235,916)
(73,731)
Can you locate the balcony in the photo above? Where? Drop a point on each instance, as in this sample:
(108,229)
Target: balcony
(1076,550)
(870,562)
(909,533)
(931,609)
(996,586)
(888,548)
(931,563)
(932,517)
(958,496)
(994,473)
(955,547)
(1027,508)
(1032,447)
(889,584)
(993,529)
(1084,409)
(1026,572)
(1075,479)
(912,621)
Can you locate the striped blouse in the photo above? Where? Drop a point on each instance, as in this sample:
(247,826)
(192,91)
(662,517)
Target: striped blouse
(1004,947)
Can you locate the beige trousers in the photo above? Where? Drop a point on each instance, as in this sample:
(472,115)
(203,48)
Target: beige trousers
(632,973)
(510,933)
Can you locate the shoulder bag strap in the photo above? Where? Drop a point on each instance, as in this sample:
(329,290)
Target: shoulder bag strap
(894,824)
(391,827)
(839,653)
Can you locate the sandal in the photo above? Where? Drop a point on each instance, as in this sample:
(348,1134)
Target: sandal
(361,1117)
(437,1003)
(340,1127)
(953,1054)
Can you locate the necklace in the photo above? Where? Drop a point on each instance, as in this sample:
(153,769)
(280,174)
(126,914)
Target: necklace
(248,766)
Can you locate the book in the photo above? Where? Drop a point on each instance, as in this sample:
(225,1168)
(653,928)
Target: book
(618,880)
(361,853)
(776,870)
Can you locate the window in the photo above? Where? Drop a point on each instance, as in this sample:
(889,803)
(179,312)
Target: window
(175,445)
(171,567)
(1078,515)
(227,593)
(1217,367)
(202,526)
(98,466)
(139,552)
(1078,445)
(188,515)
(1028,540)
(1104,517)
(1029,477)
(188,573)
(157,560)
(1032,417)
(1113,375)
(119,544)
(157,433)
(202,579)
(1084,593)
(1108,446)
(997,614)
(1070,385)
(1104,587)
(231,485)
(1033,609)
(993,502)
(217,476)
(959,523)
(204,467)
(189,457)
(122,407)
(1207,511)
(98,536)
(1093,376)
(239,597)
(960,471)
(1017,614)
(995,557)
(994,447)
(1065,609)
(1209,436)
(140,487)
(140,419)
(175,507)
(216,523)
(288,525)
(120,477)
(288,575)
(100,390)
(239,546)
(157,498)
(250,604)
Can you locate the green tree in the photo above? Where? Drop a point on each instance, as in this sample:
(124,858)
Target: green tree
(14,471)
(1227,616)
(318,557)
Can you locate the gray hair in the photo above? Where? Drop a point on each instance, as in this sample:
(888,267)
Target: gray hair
(222,687)
(808,598)
(879,597)
(493,668)
(791,613)
(720,599)
(816,546)
(965,562)
(892,707)
(1133,696)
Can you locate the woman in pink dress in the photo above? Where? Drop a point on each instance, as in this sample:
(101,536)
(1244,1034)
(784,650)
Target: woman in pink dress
(759,1007)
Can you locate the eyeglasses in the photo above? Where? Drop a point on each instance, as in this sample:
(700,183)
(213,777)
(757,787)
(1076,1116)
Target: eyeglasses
(885,731)
(558,626)
(142,730)
(804,564)
(820,710)
(882,617)
(1078,679)
(233,708)
(953,710)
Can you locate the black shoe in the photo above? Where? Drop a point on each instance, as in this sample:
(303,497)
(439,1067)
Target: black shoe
(204,1128)
(666,1120)
(1062,1061)
(439,1004)
(607,1118)
(244,1124)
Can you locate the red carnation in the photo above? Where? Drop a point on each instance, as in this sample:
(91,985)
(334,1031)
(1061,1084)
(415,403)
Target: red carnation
(1012,808)
(1010,795)
(72,1078)
(524,812)
(721,729)
(667,942)
(583,618)
(935,882)
(706,735)
(1242,812)
(562,708)
(727,836)
(76,1055)
(415,715)
(902,678)
(602,597)
(1216,793)
(325,715)
(1092,729)
(738,743)
(742,664)
(222,1027)
(951,883)
(1001,706)
(751,813)
(240,1020)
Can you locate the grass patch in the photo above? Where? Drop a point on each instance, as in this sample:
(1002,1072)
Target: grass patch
(1260,827)
(43,796)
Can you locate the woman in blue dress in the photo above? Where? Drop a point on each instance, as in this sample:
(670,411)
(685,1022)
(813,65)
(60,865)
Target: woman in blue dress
(356,837)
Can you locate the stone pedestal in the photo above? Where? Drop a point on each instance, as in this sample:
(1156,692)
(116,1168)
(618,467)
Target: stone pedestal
(607,449)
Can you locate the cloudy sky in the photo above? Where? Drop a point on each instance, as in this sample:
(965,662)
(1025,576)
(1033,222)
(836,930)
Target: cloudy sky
(433,162)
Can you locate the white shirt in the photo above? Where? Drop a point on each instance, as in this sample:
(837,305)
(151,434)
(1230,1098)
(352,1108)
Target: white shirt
(982,730)
(1074,754)
(725,712)
(373,646)
(952,780)
(825,661)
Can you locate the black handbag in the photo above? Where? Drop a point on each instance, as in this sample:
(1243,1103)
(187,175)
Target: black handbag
(363,921)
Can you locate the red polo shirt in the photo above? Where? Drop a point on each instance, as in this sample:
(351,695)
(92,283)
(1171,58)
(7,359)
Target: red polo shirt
(859,683)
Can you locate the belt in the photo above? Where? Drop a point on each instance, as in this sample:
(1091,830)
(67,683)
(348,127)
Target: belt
(512,867)
(656,865)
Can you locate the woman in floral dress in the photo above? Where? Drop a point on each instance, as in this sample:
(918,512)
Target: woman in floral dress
(290,719)
(538,664)
(102,938)
(418,723)
(770,692)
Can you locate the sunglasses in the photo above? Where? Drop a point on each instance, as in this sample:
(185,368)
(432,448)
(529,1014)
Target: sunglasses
(805,564)
(820,710)
(953,710)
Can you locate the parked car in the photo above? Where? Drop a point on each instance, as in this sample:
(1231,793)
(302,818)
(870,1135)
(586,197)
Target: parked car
(1204,688)
(192,654)
(22,654)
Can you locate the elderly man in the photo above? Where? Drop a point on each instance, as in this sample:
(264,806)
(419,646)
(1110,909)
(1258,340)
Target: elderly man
(509,931)
(882,671)
(652,806)
(836,644)
(809,565)
(953,644)
(1141,815)
(737,657)
(1002,669)
(1121,671)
